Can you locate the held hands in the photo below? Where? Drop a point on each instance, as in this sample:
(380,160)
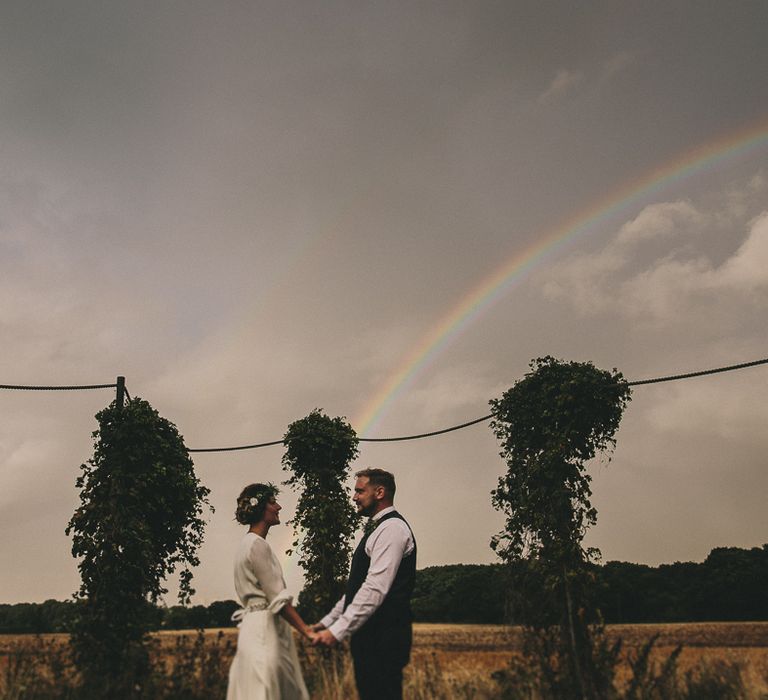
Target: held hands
(320,636)
(325,638)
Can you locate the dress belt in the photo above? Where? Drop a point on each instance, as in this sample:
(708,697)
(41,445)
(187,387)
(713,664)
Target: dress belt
(253,605)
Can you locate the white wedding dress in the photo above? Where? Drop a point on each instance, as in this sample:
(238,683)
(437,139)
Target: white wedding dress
(266,666)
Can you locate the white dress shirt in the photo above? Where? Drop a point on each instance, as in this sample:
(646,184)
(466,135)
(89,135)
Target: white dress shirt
(386,546)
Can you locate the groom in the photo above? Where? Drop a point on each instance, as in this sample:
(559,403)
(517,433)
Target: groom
(376,608)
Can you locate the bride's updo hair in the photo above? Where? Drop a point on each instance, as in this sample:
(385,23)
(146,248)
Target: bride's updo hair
(252,502)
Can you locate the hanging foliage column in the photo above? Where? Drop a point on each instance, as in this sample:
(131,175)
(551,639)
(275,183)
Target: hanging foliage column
(550,424)
(139,518)
(319,450)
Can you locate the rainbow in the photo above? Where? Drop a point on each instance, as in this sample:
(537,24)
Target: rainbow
(491,289)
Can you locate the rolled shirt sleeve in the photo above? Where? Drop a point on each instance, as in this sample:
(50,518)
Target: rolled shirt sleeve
(334,615)
(386,547)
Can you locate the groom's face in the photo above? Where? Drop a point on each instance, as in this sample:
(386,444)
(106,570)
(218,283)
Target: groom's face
(365,496)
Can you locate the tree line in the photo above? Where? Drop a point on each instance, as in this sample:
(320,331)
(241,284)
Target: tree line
(730,585)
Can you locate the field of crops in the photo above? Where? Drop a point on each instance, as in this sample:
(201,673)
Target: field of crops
(475,651)
(449,661)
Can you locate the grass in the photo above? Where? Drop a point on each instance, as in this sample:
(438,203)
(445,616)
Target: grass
(448,661)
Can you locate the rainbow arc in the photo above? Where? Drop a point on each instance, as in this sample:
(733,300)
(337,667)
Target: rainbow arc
(471,306)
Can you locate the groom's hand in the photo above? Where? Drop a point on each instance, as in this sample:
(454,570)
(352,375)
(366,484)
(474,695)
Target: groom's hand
(326,638)
(317,627)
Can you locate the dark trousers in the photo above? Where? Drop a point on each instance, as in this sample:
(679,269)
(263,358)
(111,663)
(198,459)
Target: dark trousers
(379,656)
(378,678)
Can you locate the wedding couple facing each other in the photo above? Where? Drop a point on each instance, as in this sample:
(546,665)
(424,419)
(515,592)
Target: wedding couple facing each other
(375,611)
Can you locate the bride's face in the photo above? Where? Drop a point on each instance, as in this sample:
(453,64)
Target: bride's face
(272,512)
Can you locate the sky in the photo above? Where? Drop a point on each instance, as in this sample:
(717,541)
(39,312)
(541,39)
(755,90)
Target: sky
(385,210)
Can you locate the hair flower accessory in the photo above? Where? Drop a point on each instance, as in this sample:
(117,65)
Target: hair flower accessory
(253,501)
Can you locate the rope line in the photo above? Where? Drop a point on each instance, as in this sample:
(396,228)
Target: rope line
(240,447)
(400,438)
(702,373)
(20,387)
(434,432)
(362,439)
(639,382)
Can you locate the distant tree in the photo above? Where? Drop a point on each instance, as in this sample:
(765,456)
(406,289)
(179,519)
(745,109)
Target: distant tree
(140,516)
(628,592)
(318,453)
(461,593)
(737,583)
(220,613)
(180,617)
(550,424)
(37,618)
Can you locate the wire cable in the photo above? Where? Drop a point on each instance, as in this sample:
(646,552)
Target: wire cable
(402,438)
(239,447)
(702,373)
(434,432)
(82,387)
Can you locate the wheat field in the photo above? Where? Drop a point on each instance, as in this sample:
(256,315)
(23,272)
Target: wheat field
(448,661)
(475,651)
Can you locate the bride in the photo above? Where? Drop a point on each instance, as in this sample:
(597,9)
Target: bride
(266,666)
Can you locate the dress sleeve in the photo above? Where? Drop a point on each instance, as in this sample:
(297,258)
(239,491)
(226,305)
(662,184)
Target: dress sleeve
(267,570)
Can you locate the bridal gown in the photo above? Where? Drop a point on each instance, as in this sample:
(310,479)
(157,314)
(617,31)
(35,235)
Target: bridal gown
(266,666)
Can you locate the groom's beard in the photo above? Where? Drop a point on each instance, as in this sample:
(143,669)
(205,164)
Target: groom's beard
(367,511)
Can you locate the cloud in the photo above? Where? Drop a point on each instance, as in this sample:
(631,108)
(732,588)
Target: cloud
(617,64)
(454,391)
(735,414)
(748,268)
(663,291)
(659,220)
(669,262)
(583,279)
(579,282)
(672,287)
(741,199)
(564,81)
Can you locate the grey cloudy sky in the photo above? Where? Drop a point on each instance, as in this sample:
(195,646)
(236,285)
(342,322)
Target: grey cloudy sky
(252,209)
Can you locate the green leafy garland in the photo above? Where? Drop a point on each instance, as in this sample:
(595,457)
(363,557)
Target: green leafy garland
(319,450)
(140,517)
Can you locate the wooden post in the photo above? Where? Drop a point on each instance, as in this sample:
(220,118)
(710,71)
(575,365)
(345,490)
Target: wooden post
(120,399)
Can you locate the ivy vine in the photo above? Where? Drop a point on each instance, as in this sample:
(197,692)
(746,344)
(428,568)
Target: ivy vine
(319,450)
